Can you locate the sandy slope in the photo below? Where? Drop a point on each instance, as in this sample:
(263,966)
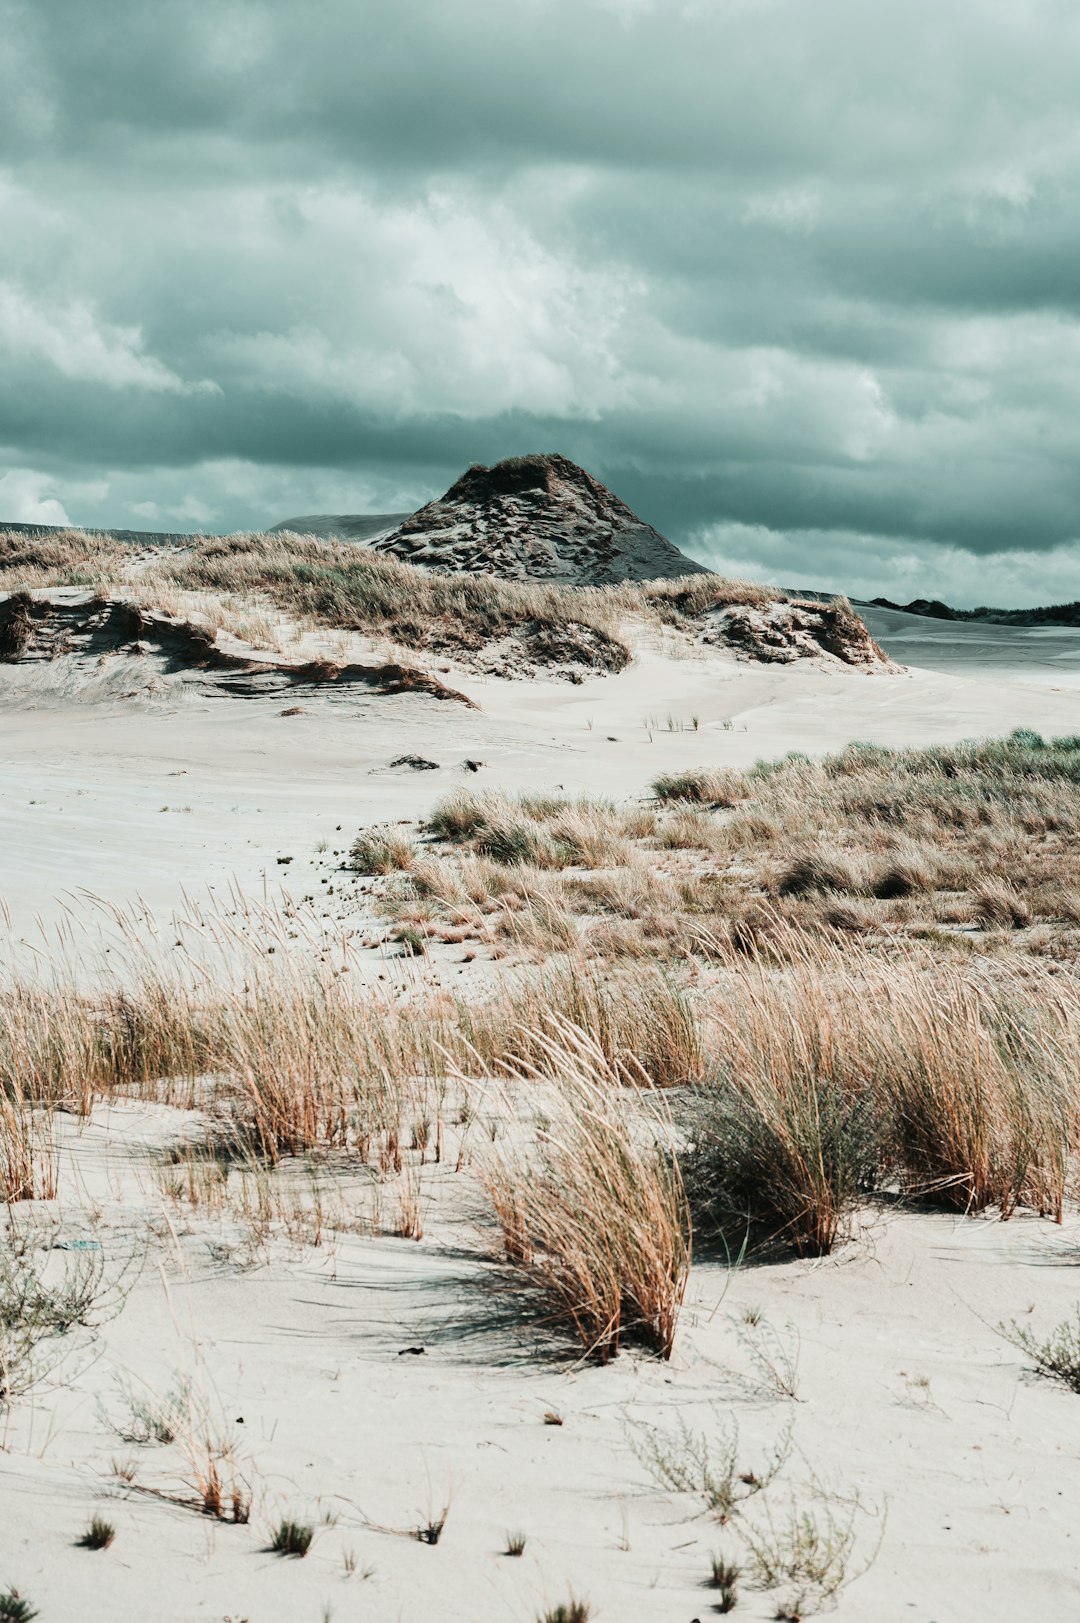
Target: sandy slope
(130,799)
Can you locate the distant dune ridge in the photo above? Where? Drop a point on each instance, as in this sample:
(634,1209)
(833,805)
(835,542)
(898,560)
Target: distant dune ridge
(527,518)
(342,526)
(931,608)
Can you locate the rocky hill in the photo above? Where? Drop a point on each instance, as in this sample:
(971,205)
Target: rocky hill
(535,518)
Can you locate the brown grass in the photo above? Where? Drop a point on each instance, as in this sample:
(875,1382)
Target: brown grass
(847,1073)
(593,1210)
(975,847)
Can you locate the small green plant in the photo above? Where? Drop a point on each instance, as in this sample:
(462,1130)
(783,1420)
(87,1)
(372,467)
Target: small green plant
(99,1534)
(150,1419)
(725,1578)
(515,1543)
(28,1304)
(36,1316)
(773,1355)
(806,1553)
(688,1462)
(1057,1357)
(15,1608)
(412,941)
(571,1611)
(292,1538)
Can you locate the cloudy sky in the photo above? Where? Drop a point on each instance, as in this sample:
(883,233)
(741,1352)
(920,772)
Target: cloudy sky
(799,278)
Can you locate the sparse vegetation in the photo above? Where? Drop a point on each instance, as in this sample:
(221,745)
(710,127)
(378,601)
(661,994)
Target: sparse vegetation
(515,1543)
(356,589)
(964,850)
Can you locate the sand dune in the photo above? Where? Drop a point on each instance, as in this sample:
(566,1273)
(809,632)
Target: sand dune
(912,1423)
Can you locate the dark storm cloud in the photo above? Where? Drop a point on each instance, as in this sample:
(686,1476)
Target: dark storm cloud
(799,280)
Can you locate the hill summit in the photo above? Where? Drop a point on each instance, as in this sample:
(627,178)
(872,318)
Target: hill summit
(536,518)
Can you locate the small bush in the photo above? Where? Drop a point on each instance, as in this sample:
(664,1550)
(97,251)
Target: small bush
(817,871)
(457,818)
(515,1543)
(785,1159)
(806,1554)
(512,843)
(1001,906)
(787,1135)
(684,1461)
(15,1608)
(905,877)
(412,940)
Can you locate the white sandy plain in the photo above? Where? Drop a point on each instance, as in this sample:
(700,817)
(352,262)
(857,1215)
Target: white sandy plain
(913,1418)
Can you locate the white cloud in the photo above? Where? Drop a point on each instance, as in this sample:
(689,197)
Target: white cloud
(449,304)
(868,566)
(29,498)
(79,345)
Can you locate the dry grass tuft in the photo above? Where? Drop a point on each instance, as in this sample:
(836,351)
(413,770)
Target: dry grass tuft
(718,787)
(844,1072)
(571,1611)
(786,1136)
(292,1538)
(373,852)
(595,1212)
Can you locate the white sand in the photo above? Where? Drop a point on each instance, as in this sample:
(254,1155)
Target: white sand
(907,1398)
(966,1469)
